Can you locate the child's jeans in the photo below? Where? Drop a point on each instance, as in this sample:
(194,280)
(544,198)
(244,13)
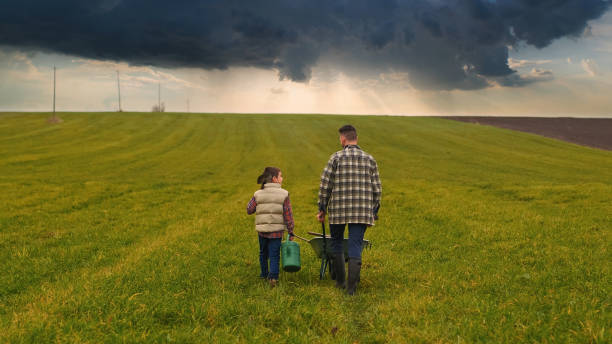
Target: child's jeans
(269,249)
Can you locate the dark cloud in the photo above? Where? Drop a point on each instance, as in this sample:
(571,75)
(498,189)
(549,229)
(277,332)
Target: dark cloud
(442,44)
(540,22)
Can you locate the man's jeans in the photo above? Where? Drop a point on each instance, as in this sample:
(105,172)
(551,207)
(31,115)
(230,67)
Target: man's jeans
(355,239)
(269,249)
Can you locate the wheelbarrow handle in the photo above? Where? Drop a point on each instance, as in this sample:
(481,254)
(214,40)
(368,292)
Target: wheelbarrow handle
(324,238)
(317,234)
(299,237)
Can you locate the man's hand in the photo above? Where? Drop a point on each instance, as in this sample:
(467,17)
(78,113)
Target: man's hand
(321,216)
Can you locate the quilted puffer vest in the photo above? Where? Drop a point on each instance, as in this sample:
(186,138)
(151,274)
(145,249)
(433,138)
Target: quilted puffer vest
(269,213)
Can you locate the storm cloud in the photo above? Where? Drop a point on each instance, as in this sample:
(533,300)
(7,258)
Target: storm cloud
(441,44)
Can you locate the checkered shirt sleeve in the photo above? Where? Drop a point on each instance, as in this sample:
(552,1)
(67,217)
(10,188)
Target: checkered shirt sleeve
(327,183)
(376,188)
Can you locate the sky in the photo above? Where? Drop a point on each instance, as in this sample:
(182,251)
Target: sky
(399,57)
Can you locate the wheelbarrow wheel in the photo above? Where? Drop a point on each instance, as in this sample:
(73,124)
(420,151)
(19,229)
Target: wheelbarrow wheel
(323,268)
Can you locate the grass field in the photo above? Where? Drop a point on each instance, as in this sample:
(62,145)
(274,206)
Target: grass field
(132,227)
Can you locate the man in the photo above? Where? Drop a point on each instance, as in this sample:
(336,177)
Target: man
(349,193)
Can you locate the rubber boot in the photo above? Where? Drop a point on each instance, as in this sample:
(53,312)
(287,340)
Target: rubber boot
(354,271)
(338,264)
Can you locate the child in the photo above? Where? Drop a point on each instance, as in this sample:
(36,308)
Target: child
(273,214)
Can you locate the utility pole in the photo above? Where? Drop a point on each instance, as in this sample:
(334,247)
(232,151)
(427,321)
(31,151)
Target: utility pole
(159,96)
(53,92)
(119,91)
(54,119)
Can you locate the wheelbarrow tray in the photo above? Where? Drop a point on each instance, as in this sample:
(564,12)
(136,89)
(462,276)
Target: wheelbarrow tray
(317,246)
(318,243)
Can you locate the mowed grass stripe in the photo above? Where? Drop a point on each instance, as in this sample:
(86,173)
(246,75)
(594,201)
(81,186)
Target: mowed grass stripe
(65,290)
(95,199)
(486,235)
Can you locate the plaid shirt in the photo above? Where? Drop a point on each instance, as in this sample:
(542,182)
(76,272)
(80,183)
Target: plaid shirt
(350,187)
(287,215)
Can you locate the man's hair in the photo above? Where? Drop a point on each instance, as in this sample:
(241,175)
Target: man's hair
(349,132)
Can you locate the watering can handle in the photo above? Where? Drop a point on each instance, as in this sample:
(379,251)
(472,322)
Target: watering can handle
(289,235)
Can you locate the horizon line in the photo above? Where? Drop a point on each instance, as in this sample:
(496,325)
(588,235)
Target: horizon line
(322,114)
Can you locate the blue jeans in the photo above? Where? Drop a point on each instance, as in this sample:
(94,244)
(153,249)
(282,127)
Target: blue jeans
(269,249)
(355,239)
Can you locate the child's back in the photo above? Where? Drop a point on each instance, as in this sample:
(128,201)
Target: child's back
(273,214)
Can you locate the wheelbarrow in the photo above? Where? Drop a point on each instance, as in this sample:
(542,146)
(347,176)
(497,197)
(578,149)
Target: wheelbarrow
(321,245)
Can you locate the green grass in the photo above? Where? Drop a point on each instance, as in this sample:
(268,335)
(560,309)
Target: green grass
(131,227)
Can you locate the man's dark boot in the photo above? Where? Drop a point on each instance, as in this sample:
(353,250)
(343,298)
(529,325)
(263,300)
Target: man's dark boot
(354,270)
(338,264)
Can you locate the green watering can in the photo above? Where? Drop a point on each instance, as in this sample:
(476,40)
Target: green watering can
(290,251)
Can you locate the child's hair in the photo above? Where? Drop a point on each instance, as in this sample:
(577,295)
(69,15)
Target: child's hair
(267,175)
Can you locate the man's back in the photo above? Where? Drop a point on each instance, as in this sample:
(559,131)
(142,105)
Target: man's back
(350,187)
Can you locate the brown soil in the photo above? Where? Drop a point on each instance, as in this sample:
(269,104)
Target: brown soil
(592,132)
